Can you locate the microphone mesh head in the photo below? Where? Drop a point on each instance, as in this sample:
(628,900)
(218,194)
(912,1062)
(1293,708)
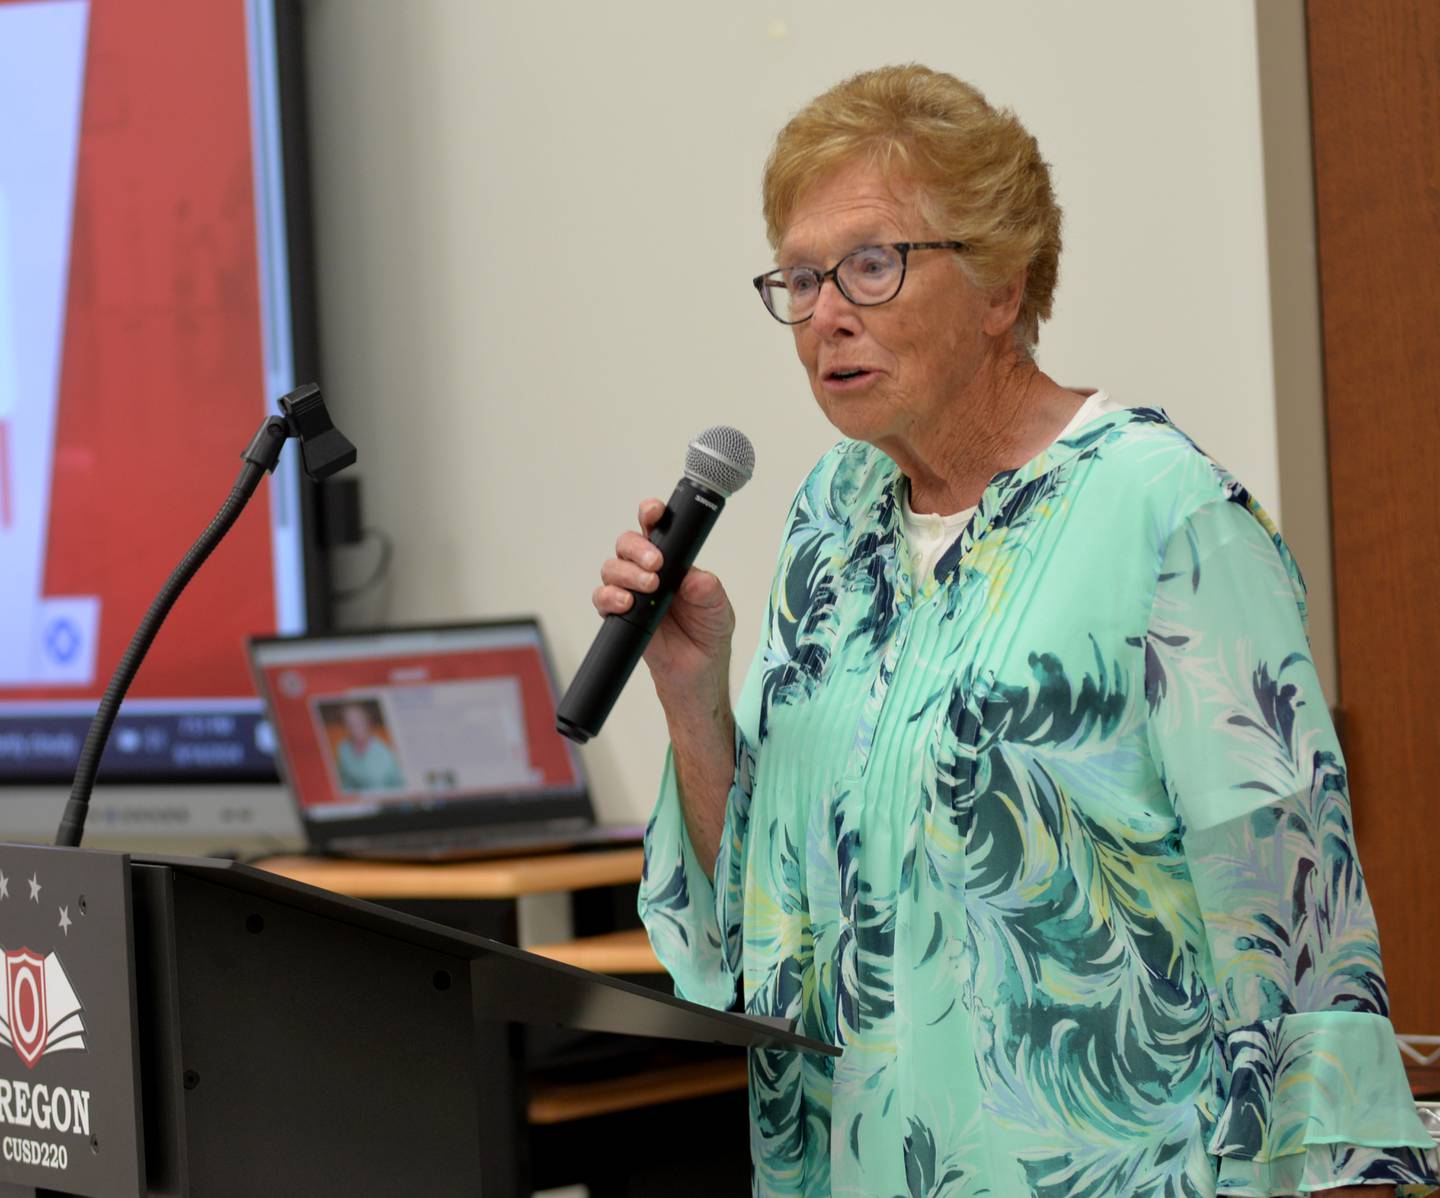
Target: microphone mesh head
(721,458)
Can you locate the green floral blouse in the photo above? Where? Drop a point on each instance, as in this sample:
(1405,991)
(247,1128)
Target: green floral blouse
(1055,844)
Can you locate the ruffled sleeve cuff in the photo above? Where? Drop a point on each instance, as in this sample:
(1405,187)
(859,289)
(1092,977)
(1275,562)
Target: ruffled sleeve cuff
(1315,1101)
(695,925)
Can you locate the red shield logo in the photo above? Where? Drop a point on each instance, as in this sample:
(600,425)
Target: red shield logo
(25,1004)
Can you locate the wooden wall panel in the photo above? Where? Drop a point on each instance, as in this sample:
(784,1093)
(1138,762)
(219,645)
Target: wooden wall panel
(1375,105)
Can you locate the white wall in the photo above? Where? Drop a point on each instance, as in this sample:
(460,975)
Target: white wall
(1295,315)
(536,229)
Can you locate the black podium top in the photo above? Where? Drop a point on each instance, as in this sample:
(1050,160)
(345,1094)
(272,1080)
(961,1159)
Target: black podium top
(509,983)
(173,1026)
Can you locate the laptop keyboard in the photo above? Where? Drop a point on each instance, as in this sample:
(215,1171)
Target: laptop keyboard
(440,842)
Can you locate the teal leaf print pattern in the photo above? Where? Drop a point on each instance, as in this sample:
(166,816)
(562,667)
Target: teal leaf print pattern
(1056,846)
(922,1176)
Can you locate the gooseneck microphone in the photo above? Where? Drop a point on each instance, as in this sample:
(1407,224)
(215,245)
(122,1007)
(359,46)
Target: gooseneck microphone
(717,464)
(326,451)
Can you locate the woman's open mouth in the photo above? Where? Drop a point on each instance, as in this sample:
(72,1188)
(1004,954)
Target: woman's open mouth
(848,378)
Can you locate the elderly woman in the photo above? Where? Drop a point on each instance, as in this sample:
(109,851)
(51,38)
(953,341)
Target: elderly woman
(1030,800)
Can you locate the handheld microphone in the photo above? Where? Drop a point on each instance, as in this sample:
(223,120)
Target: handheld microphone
(717,464)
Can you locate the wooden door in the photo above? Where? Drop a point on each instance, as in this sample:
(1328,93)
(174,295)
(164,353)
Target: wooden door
(1375,112)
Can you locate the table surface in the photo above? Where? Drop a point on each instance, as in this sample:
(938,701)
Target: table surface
(623,952)
(502,878)
(612,953)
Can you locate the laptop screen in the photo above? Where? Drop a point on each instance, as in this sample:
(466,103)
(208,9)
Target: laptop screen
(416,722)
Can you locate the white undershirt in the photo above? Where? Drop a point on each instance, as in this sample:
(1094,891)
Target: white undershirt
(930,535)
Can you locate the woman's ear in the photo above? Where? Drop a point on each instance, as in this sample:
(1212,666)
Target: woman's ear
(1004,307)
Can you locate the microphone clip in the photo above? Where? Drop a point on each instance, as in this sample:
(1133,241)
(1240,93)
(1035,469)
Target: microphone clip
(324,449)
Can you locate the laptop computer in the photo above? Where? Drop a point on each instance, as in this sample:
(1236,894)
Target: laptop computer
(426,743)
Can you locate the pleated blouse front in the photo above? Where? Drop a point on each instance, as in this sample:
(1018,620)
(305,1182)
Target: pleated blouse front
(1055,844)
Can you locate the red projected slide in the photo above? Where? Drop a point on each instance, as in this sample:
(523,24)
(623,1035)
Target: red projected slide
(131,364)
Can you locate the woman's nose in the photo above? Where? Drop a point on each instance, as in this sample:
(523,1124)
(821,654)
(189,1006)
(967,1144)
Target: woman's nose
(834,314)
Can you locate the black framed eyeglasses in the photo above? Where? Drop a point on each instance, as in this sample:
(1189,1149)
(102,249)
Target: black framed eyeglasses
(867,276)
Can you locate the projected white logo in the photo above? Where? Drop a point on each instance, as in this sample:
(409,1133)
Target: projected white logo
(42,1013)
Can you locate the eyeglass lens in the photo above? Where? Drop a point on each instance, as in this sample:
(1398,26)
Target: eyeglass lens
(869,275)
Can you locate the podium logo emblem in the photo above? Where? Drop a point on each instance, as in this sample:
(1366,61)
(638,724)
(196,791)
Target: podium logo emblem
(41,1012)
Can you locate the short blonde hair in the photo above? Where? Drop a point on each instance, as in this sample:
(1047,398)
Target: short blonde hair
(978,173)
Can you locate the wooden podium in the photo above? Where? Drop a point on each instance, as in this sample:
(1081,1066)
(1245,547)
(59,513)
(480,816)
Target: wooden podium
(242,1033)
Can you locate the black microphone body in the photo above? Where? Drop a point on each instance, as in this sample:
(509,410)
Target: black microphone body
(618,646)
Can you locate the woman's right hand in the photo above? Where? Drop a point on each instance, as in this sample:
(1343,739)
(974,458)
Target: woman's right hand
(689,655)
(689,660)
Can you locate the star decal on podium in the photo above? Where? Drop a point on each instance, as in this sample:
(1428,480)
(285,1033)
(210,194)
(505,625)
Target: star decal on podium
(35,888)
(65,921)
(4,887)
